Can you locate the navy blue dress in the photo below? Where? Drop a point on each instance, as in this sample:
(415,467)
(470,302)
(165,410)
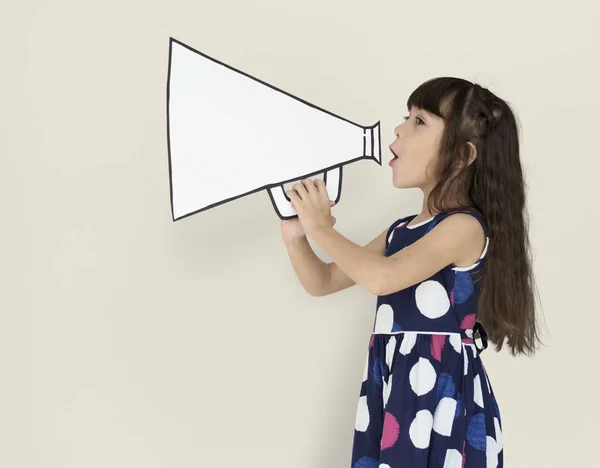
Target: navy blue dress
(426,400)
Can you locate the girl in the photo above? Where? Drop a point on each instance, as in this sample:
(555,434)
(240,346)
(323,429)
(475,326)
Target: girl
(440,277)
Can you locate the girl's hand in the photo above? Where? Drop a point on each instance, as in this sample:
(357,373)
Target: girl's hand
(291,229)
(309,199)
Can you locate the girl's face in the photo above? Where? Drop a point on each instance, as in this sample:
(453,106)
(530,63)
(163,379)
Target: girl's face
(416,146)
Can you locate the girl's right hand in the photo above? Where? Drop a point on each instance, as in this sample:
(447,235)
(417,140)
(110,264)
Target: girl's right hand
(291,229)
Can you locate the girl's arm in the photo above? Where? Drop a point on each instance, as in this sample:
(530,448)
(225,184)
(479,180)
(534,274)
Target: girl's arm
(337,280)
(310,269)
(319,278)
(457,240)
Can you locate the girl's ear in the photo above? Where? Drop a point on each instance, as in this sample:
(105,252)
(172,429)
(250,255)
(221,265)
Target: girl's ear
(472,156)
(472,152)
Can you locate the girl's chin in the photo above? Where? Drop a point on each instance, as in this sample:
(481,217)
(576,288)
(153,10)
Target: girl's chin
(401,184)
(396,180)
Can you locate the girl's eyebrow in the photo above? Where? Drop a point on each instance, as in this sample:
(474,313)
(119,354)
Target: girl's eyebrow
(422,111)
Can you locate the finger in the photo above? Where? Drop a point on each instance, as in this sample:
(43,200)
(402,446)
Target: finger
(293,196)
(322,189)
(300,190)
(311,191)
(322,196)
(320,184)
(318,190)
(309,185)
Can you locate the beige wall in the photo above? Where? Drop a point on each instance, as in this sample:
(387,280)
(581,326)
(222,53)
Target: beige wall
(128,340)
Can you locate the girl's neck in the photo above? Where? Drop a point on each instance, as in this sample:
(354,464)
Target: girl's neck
(426,214)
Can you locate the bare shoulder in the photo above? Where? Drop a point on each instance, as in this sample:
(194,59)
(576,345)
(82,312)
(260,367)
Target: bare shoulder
(463,233)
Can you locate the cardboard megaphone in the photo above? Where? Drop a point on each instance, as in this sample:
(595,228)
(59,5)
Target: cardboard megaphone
(230,134)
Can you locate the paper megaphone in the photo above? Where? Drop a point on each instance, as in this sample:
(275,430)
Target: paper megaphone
(230,134)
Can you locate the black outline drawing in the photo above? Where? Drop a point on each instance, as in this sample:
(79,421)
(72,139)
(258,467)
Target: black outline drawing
(370,133)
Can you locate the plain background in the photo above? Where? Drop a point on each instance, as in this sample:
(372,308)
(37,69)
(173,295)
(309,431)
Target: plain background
(129,340)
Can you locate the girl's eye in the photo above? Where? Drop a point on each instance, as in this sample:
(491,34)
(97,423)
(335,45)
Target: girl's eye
(406,118)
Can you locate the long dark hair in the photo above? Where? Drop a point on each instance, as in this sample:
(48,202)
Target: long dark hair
(494,186)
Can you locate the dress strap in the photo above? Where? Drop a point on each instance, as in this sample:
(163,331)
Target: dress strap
(440,216)
(396,224)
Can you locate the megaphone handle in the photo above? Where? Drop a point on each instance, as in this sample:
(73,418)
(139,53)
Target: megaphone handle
(283,205)
(333,182)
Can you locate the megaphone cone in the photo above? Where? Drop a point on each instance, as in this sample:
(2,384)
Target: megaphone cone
(230,135)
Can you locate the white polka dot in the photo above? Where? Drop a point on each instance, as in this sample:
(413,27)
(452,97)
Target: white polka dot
(432,299)
(444,416)
(469,333)
(387,390)
(384,320)
(366,371)
(408,342)
(384,465)
(422,377)
(478,393)
(390,236)
(420,429)
(453,459)
(488,383)
(389,352)
(498,434)
(456,343)
(491,453)
(362,415)
(466,359)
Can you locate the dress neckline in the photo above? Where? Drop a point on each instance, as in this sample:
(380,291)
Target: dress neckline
(408,226)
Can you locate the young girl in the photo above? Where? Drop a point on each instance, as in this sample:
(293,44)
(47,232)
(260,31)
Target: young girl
(440,277)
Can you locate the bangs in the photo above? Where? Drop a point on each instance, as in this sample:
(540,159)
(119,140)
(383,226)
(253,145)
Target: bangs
(440,96)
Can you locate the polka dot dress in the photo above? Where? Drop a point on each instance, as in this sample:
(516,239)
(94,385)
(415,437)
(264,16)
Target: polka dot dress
(425,399)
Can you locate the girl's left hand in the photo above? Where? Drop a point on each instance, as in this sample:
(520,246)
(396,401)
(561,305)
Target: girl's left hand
(310,200)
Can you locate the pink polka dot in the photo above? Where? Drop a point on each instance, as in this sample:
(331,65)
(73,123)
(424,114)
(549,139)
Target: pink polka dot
(468,322)
(391,430)
(452,297)
(468,341)
(437,345)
